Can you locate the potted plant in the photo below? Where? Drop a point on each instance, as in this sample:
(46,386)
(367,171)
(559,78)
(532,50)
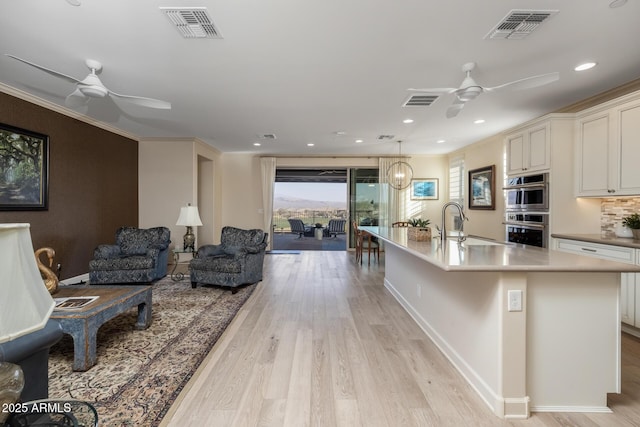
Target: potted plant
(633,222)
(419,230)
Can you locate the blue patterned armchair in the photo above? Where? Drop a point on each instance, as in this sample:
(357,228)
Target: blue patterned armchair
(138,256)
(236,261)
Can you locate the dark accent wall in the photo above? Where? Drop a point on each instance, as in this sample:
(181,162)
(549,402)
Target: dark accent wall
(93,184)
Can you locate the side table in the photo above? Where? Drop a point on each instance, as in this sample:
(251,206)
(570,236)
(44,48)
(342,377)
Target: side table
(176,277)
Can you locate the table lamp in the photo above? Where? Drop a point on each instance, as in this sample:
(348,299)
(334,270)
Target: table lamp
(25,303)
(189,217)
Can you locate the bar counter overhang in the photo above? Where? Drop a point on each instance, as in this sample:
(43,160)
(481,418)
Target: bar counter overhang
(559,353)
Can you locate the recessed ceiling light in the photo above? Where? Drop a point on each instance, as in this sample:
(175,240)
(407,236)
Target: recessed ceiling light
(440,141)
(585,66)
(257,144)
(407,121)
(340,133)
(358,141)
(479,121)
(617,3)
(311,144)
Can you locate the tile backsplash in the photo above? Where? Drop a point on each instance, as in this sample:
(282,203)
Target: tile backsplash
(613,210)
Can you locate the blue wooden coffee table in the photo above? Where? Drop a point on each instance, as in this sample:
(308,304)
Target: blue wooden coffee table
(83,324)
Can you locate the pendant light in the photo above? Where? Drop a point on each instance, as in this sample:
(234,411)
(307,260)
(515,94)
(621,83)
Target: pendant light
(400,173)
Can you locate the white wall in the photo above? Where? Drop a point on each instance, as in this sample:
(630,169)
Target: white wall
(490,151)
(429,167)
(168,178)
(241,191)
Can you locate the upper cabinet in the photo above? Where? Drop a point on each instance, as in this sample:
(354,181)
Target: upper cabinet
(608,150)
(529,149)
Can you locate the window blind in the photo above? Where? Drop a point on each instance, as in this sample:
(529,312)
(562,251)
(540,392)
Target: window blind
(456,180)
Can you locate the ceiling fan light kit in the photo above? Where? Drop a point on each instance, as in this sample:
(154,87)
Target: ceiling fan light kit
(93,91)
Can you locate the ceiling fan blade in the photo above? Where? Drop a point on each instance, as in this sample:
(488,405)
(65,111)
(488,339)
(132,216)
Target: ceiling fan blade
(454,109)
(46,70)
(435,89)
(528,82)
(76,99)
(144,102)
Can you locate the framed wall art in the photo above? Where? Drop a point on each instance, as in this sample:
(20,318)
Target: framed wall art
(424,189)
(482,188)
(24,169)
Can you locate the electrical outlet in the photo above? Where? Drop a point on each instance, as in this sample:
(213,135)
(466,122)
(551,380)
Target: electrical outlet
(515,300)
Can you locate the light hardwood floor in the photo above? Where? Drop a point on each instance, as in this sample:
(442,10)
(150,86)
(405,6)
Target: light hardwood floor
(321,342)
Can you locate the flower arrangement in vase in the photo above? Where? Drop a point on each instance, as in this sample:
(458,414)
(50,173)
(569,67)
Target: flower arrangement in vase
(633,222)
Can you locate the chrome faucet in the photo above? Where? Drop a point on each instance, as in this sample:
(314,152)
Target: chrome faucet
(443,229)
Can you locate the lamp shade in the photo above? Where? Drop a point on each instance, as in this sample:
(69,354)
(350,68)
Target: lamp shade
(25,303)
(189,216)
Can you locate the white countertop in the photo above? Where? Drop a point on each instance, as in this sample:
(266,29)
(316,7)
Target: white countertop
(486,255)
(598,238)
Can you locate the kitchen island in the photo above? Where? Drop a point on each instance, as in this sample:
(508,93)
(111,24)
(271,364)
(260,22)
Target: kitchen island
(530,329)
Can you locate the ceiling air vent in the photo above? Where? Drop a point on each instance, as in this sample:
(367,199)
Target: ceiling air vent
(383,137)
(267,136)
(192,22)
(420,100)
(518,24)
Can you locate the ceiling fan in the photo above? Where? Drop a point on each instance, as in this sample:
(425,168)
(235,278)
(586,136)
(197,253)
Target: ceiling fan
(92,87)
(469,89)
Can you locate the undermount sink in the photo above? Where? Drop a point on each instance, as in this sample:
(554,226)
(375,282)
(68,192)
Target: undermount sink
(477,241)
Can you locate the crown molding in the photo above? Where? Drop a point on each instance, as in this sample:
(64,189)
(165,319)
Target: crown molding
(602,97)
(64,111)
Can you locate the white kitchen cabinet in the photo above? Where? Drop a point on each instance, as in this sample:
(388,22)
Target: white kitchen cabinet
(629,282)
(529,149)
(607,151)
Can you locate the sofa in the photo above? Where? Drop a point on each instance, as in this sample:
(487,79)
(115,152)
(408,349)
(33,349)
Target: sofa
(236,261)
(138,256)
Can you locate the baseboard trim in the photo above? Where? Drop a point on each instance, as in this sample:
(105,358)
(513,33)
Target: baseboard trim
(630,330)
(594,409)
(75,280)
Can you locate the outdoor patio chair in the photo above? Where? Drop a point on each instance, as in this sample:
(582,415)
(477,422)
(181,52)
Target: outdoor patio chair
(335,227)
(297,227)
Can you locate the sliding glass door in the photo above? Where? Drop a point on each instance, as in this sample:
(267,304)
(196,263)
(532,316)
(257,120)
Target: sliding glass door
(364,198)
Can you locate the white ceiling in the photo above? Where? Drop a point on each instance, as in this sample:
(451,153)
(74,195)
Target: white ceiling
(305,70)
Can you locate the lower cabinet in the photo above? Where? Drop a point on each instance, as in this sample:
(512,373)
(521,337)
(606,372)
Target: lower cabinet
(629,282)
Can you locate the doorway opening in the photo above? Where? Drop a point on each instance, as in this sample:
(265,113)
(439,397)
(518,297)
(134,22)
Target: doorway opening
(307,206)
(318,197)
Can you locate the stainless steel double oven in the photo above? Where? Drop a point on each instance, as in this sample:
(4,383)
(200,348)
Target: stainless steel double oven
(527,210)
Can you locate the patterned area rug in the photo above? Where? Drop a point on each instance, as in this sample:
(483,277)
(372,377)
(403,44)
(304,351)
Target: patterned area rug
(139,374)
